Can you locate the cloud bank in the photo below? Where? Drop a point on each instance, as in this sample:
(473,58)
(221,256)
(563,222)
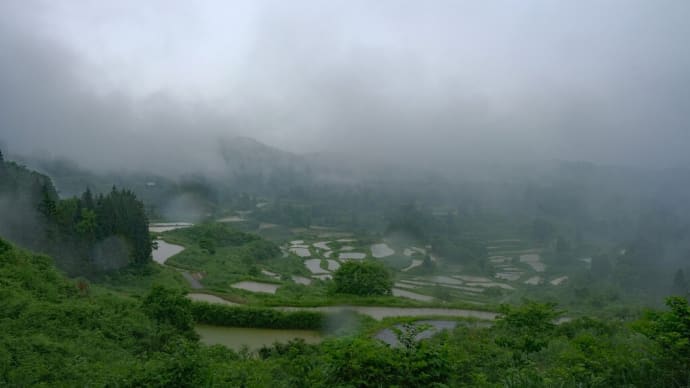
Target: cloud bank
(155,85)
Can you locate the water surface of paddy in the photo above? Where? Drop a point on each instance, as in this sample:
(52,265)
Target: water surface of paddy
(165,251)
(256,286)
(381,250)
(237,337)
(161,227)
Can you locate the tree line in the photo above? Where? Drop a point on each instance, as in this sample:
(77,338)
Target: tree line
(86,234)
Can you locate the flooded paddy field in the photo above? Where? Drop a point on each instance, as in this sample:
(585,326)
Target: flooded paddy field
(237,337)
(256,286)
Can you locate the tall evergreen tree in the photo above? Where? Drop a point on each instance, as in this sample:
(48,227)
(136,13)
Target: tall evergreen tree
(87,199)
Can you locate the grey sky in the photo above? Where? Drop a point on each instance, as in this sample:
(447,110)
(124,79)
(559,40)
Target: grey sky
(433,81)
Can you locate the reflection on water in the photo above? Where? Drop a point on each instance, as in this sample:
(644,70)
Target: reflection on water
(381,250)
(236,337)
(165,251)
(256,286)
(167,226)
(412,295)
(380,313)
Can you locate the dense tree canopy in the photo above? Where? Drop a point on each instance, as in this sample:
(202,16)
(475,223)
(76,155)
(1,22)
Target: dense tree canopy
(363,278)
(85,234)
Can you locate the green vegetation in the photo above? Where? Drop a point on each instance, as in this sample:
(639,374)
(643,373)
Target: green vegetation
(234,256)
(56,333)
(138,280)
(572,266)
(87,235)
(365,278)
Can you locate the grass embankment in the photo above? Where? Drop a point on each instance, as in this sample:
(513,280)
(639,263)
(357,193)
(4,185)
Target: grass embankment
(225,256)
(221,315)
(140,280)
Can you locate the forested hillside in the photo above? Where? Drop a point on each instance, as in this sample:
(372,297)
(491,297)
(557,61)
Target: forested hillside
(86,234)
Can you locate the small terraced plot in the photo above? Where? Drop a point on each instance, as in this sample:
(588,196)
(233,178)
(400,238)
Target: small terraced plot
(165,251)
(270,274)
(412,295)
(557,281)
(510,276)
(351,255)
(381,250)
(301,280)
(534,261)
(256,287)
(415,263)
(314,266)
(333,265)
(322,245)
(300,251)
(168,226)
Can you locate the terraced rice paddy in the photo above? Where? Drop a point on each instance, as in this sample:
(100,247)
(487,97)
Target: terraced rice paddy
(270,274)
(415,263)
(161,227)
(491,284)
(379,313)
(300,251)
(232,219)
(534,261)
(301,280)
(323,245)
(467,278)
(509,276)
(314,266)
(256,287)
(333,265)
(165,251)
(381,250)
(198,297)
(445,280)
(351,255)
(238,337)
(411,295)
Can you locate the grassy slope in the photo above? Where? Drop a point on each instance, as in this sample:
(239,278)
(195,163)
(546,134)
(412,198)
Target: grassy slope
(51,332)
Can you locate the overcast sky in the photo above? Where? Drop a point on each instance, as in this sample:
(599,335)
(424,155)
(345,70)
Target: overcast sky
(113,83)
